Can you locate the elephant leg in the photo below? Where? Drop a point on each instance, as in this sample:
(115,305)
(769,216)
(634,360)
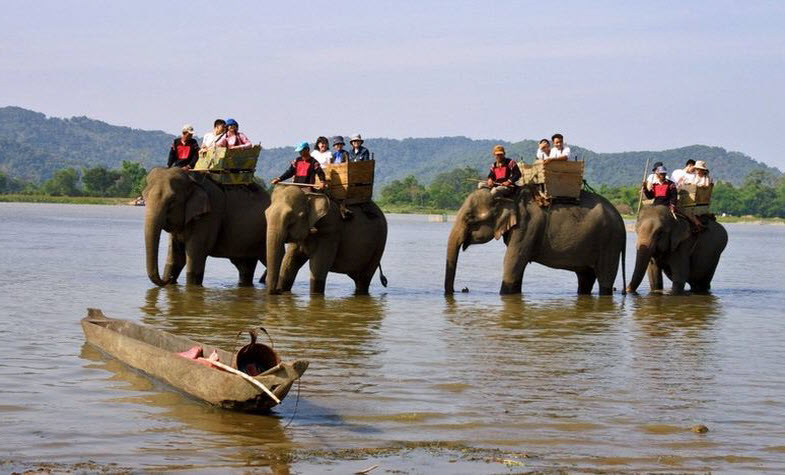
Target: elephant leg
(194,274)
(707,263)
(586,281)
(321,262)
(606,269)
(701,287)
(362,283)
(512,276)
(677,288)
(655,276)
(175,260)
(263,278)
(679,266)
(362,280)
(293,261)
(246,267)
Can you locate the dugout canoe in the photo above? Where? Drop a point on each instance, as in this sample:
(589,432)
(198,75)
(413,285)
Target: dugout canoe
(155,353)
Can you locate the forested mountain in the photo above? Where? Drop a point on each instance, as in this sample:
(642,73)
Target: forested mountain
(33,147)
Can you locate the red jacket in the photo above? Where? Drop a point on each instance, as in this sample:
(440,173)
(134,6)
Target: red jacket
(507,170)
(663,193)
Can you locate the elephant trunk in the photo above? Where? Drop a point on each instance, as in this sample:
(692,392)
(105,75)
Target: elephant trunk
(453,247)
(642,259)
(152,238)
(275,251)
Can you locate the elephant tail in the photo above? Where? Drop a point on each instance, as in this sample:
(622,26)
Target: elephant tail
(624,269)
(382,278)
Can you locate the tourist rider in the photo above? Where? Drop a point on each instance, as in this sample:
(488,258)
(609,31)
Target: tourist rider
(322,152)
(304,169)
(233,137)
(503,175)
(663,191)
(700,177)
(219,129)
(652,178)
(358,153)
(678,176)
(339,154)
(185,150)
(543,149)
(559,151)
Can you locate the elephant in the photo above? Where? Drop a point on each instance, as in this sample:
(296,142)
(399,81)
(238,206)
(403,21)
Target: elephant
(203,219)
(667,244)
(586,238)
(313,227)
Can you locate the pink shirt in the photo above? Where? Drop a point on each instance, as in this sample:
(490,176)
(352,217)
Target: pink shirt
(235,141)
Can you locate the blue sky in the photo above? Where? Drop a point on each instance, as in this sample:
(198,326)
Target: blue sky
(611,76)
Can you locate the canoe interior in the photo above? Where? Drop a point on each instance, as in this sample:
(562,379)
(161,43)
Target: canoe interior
(159,339)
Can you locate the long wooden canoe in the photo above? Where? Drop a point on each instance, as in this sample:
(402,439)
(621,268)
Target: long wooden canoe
(154,352)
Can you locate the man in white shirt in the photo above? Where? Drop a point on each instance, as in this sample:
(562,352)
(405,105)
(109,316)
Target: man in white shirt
(652,178)
(219,129)
(559,151)
(700,177)
(679,175)
(543,149)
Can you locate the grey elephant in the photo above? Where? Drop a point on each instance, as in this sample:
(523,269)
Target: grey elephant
(586,238)
(203,219)
(666,244)
(316,232)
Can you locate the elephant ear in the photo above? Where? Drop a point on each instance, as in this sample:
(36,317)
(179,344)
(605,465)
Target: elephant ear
(506,216)
(679,233)
(318,207)
(196,205)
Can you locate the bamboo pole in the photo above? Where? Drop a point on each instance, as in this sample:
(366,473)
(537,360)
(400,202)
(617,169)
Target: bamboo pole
(245,377)
(289,183)
(640,197)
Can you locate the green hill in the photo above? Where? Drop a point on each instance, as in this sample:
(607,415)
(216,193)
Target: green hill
(33,147)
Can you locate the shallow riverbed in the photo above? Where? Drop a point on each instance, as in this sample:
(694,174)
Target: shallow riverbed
(405,379)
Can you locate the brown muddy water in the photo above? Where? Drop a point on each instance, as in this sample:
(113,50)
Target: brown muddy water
(405,379)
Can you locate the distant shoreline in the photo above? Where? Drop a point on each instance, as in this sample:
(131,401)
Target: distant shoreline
(74,200)
(98,200)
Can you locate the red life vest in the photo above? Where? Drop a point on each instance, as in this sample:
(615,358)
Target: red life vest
(183,151)
(302,168)
(661,189)
(501,173)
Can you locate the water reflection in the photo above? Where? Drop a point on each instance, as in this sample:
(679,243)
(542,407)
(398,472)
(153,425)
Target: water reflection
(663,315)
(341,329)
(245,440)
(543,351)
(547,318)
(674,351)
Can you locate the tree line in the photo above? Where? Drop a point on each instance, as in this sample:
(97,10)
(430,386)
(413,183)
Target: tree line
(761,194)
(126,181)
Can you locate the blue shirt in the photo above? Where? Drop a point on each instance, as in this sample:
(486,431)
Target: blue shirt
(339,156)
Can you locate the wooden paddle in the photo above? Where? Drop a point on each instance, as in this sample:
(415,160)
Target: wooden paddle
(256,383)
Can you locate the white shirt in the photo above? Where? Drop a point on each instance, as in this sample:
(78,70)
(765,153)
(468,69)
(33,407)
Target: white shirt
(694,179)
(209,139)
(652,179)
(556,153)
(677,175)
(322,157)
(541,155)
